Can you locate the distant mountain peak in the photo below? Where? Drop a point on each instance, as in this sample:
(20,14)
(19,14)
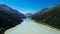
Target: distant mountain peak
(43,11)
(28,15)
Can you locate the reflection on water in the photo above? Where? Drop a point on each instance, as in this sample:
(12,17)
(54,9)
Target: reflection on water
(28,26)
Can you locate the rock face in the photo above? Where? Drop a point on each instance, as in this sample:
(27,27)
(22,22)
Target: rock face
(8,18)
(50,17)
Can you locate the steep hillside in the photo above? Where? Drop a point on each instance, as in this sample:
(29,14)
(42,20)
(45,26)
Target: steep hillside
(14,12)
(52,17)
(8,18)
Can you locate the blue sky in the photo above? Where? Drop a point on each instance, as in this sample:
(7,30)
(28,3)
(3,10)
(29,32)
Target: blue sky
(31,6)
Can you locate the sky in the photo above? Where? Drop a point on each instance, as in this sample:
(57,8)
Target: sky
(30,6)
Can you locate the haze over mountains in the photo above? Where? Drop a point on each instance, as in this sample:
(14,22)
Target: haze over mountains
(28,15)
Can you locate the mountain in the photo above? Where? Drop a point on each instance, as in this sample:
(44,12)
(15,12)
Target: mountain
(50,17)
(43,11)
(39,13)
(28,15)
(7,9)
(9,18)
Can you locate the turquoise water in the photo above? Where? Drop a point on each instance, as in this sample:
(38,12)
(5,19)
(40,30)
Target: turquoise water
(28,26)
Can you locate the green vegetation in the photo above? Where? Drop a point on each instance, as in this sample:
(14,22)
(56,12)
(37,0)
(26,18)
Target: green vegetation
(52,17)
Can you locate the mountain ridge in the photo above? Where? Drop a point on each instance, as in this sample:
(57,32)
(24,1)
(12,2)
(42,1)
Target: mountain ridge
(51,17)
